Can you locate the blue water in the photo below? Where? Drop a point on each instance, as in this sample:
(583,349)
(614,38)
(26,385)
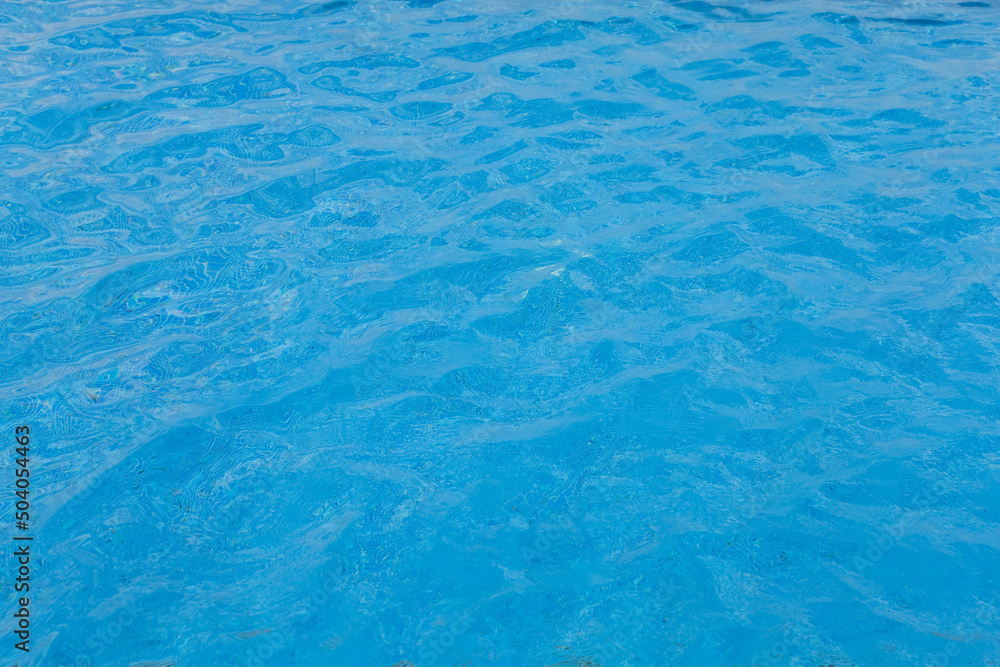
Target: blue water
(479,332)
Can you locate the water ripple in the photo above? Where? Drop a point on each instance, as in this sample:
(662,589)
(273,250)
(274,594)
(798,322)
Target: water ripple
(312,307)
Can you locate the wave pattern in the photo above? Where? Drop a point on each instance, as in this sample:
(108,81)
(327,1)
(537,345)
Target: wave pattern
(403,333)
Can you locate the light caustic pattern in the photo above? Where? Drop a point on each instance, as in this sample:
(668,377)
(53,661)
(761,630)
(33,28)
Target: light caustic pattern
(510,333)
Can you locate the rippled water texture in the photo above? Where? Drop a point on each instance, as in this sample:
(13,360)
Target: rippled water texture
(503,333)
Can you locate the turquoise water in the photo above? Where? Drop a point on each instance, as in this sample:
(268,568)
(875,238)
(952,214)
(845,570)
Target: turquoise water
(503,333)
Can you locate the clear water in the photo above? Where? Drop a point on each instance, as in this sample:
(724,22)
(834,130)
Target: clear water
(503,333)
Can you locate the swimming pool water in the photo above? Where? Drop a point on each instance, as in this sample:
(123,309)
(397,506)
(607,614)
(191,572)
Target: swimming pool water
(468,332)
